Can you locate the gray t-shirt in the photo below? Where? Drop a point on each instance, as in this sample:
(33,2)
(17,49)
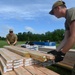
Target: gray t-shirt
(70,16)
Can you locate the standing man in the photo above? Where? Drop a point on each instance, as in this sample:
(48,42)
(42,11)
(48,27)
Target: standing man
(59,10)
(11,38)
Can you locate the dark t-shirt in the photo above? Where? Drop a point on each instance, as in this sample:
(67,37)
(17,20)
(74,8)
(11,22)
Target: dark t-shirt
(70,16)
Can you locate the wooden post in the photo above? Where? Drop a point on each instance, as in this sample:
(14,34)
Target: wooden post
(73,71)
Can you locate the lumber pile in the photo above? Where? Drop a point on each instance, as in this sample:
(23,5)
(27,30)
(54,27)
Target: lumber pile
(14,63)
(9,60)
(33,54)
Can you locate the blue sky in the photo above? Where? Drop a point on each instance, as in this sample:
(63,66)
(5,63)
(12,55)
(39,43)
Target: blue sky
(29,15)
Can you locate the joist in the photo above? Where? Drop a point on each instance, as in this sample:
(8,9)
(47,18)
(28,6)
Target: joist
(17,51)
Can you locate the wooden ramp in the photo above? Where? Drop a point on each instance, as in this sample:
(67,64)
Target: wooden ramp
(31,70)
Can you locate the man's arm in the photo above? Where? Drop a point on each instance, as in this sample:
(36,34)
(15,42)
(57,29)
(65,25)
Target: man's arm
(15,40)
(66,35)
(8,41)
(71,40)
(59,56)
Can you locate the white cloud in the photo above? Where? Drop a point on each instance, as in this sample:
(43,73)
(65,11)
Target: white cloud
(27,28)
(28,11)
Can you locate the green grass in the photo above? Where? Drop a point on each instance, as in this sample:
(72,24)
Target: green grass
(3,43)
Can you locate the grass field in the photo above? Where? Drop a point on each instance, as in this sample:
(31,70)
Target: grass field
(3,43)
(61,71)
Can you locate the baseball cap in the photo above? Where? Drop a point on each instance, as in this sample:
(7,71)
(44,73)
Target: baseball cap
(10,30)
(58,3)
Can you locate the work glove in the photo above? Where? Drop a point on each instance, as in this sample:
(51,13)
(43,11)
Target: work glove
(54,52)
(59,56)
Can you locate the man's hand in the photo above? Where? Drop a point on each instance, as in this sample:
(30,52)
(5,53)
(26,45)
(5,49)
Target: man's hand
(13,44)
(59,56)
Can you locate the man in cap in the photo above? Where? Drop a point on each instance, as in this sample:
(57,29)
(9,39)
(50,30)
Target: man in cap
(59,10)
(11,38)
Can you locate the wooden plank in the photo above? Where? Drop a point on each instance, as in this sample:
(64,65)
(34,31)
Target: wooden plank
(65,65)
(21,71)
(48,56)
(38,56)
(10,73)
(34,71)
(45,70)
(7,58)
(0,69)
(34,54)
(3,66)
(18,51)
(12,55)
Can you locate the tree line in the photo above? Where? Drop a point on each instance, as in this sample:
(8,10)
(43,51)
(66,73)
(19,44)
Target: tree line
(56,35)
